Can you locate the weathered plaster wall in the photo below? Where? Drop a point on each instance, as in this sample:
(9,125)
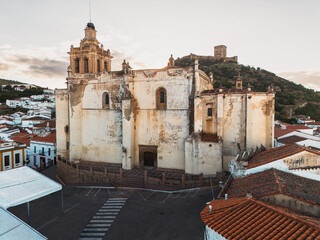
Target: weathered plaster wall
(99,133)
(202,157)
(234,119)
(62,121)
(166,129)
(260,120)
(302,159)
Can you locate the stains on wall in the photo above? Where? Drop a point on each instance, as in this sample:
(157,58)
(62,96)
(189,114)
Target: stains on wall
(268,107)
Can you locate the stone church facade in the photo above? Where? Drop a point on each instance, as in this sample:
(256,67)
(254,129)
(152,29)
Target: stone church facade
(168,118)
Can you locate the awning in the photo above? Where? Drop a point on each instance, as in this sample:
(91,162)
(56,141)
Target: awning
(12,228)
(22,185)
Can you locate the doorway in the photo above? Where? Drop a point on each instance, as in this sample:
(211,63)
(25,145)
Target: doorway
(147,156)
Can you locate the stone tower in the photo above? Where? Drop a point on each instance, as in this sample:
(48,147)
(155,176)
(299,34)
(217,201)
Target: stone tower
(220,51)
(90,57)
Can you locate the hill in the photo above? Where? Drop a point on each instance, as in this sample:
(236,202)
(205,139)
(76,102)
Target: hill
(6,81)
(8,92)
(291,98)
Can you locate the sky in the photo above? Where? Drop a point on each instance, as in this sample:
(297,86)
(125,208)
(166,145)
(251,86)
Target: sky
(281,36)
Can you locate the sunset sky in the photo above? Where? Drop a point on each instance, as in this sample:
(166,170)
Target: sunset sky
(281,36)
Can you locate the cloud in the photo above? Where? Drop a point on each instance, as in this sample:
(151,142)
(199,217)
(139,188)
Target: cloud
(40,67)
(5,66)
(309,79)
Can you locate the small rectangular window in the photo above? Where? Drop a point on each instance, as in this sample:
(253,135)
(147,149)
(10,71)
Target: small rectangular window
(6,161)
(17,158)
(209,112)
(35,149)
(43,151)
(49,151)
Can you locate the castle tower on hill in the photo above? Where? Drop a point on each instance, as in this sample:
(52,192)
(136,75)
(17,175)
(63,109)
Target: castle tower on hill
(90,57)
(166,118)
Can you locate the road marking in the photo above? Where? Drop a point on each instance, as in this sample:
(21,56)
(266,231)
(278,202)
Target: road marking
(107,213)
(97,192)
(111,207)
(92,234)
(109,210)
(98,225)
(113,204)
(102,217)
(101,221)
(165,199)
(90,238)
(195,193)
(89,192)
(95,229)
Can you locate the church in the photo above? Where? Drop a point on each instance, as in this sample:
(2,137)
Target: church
(166,118)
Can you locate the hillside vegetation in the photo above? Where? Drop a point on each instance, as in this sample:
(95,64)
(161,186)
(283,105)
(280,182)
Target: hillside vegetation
(290,97)
(8,92)
(6,81)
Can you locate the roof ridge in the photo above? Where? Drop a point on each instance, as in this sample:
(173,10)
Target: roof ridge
(277,180)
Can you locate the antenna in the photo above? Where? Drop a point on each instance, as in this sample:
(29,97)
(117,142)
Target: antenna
(90,10)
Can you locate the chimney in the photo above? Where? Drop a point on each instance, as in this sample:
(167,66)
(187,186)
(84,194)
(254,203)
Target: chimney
(226,197)
(210,208)
(248,195)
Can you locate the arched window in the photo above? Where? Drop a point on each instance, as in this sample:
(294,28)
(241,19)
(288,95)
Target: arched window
(105,100)
(161,98)
(77,65)
(86,65)
(106,65)
(98,65)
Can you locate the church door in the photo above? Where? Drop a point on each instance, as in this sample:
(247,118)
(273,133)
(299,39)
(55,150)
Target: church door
(148,156)
(148,159)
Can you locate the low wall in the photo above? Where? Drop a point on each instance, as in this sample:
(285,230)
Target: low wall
(71,173)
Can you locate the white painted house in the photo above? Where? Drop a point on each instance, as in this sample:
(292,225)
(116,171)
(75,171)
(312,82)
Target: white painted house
(42,151)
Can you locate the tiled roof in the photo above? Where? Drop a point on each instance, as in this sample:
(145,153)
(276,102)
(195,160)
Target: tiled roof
(314,123)
(291,139)
(52,124)
(274,154)
(297,127)
(272,181)
(278,131)
(23,137)
(248,218)
(50,138)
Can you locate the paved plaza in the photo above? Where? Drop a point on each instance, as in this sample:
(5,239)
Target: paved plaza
(93,212)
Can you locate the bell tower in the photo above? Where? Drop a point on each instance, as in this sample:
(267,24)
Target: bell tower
(90,57)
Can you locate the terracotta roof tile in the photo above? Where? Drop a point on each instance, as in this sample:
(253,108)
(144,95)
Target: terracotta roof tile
(278,131)
(291,139)
(23,137)
(274,154)
(272,181)
(248,218)
(52,124)
(50,138)
(297,127)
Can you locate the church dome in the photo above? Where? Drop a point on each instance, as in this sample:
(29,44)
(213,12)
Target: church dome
(91,25)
